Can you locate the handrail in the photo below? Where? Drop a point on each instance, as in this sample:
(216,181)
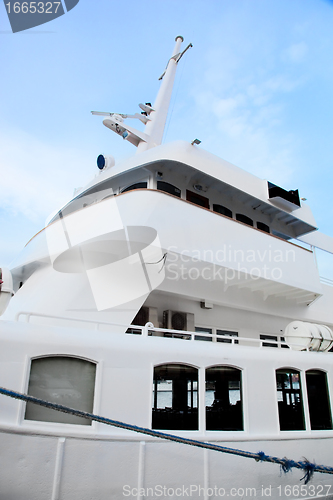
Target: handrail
(148,329)
(94,322)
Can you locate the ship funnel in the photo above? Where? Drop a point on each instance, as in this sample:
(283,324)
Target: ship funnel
(301,336)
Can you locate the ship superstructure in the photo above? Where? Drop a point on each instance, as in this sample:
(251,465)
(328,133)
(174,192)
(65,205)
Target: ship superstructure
(176,292)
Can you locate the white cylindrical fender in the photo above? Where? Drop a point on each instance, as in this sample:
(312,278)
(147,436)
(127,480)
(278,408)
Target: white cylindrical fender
(300,335)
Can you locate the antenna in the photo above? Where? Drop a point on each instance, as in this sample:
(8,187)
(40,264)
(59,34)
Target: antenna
(155,127)
(154,117)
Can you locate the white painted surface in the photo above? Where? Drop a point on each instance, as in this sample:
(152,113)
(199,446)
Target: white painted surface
(76,301)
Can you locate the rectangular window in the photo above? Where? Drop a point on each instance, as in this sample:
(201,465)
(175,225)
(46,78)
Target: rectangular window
(226,333)
(289,399)
(203,330)
(63,380)
(168,188)
(224,409)
(202,201)
(275,341)
(175,397)
(269,337)
(318,397)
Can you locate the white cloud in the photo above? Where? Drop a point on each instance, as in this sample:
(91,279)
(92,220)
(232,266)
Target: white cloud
(36,177)
(247,113)
(296,53)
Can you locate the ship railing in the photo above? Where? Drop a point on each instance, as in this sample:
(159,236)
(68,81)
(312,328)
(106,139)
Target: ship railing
(149,330)
(96,324)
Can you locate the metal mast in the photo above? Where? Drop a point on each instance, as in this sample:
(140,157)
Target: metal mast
(154,117)
(155,127)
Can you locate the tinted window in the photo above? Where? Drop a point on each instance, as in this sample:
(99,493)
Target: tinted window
(168,188)
(226,333)
(222,210)
(63,380)
(289,398)
(263,227)
(202,201)
(175,397)
(223,399)
(244,219)
(138,185)
(269,337)
(204,330)
(318,397)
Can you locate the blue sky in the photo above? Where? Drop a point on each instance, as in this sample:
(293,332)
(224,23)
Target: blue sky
(257,89)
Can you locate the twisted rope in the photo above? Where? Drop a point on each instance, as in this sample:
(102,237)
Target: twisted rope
(285,464)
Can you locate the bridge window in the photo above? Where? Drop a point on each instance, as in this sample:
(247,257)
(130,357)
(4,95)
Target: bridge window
(168,188)
(220,209)
(263,227)
(175,397)
(289,397)
(245,219)
(318,397)
(202,201)
(224,410)
(64,380)
(137,185)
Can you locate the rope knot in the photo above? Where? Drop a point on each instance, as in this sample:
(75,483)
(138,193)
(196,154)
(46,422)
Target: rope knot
(309,468)
(261,457)
(286,465)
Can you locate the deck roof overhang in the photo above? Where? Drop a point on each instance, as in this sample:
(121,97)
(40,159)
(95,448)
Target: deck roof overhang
(201,166)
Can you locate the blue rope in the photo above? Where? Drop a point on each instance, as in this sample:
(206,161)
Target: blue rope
(286,464)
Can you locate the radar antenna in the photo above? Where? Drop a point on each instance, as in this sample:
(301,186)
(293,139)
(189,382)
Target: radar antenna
(153,117)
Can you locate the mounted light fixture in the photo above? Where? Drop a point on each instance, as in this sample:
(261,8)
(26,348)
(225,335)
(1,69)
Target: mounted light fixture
(196,141)
(200,188)
(104,161)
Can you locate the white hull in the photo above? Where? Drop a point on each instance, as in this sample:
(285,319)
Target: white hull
(61,461)
(57,467)
(209,264)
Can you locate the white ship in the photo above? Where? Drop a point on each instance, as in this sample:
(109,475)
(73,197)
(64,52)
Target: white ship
(175,292)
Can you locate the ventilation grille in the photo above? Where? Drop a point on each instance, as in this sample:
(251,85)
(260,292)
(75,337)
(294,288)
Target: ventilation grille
(177,320)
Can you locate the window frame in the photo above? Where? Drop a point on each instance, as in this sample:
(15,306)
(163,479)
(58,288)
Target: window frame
(242,372)
(303,397)
(96,396)
(126,189)
(244,219)
(161,181)
(152,395)
(328,396)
